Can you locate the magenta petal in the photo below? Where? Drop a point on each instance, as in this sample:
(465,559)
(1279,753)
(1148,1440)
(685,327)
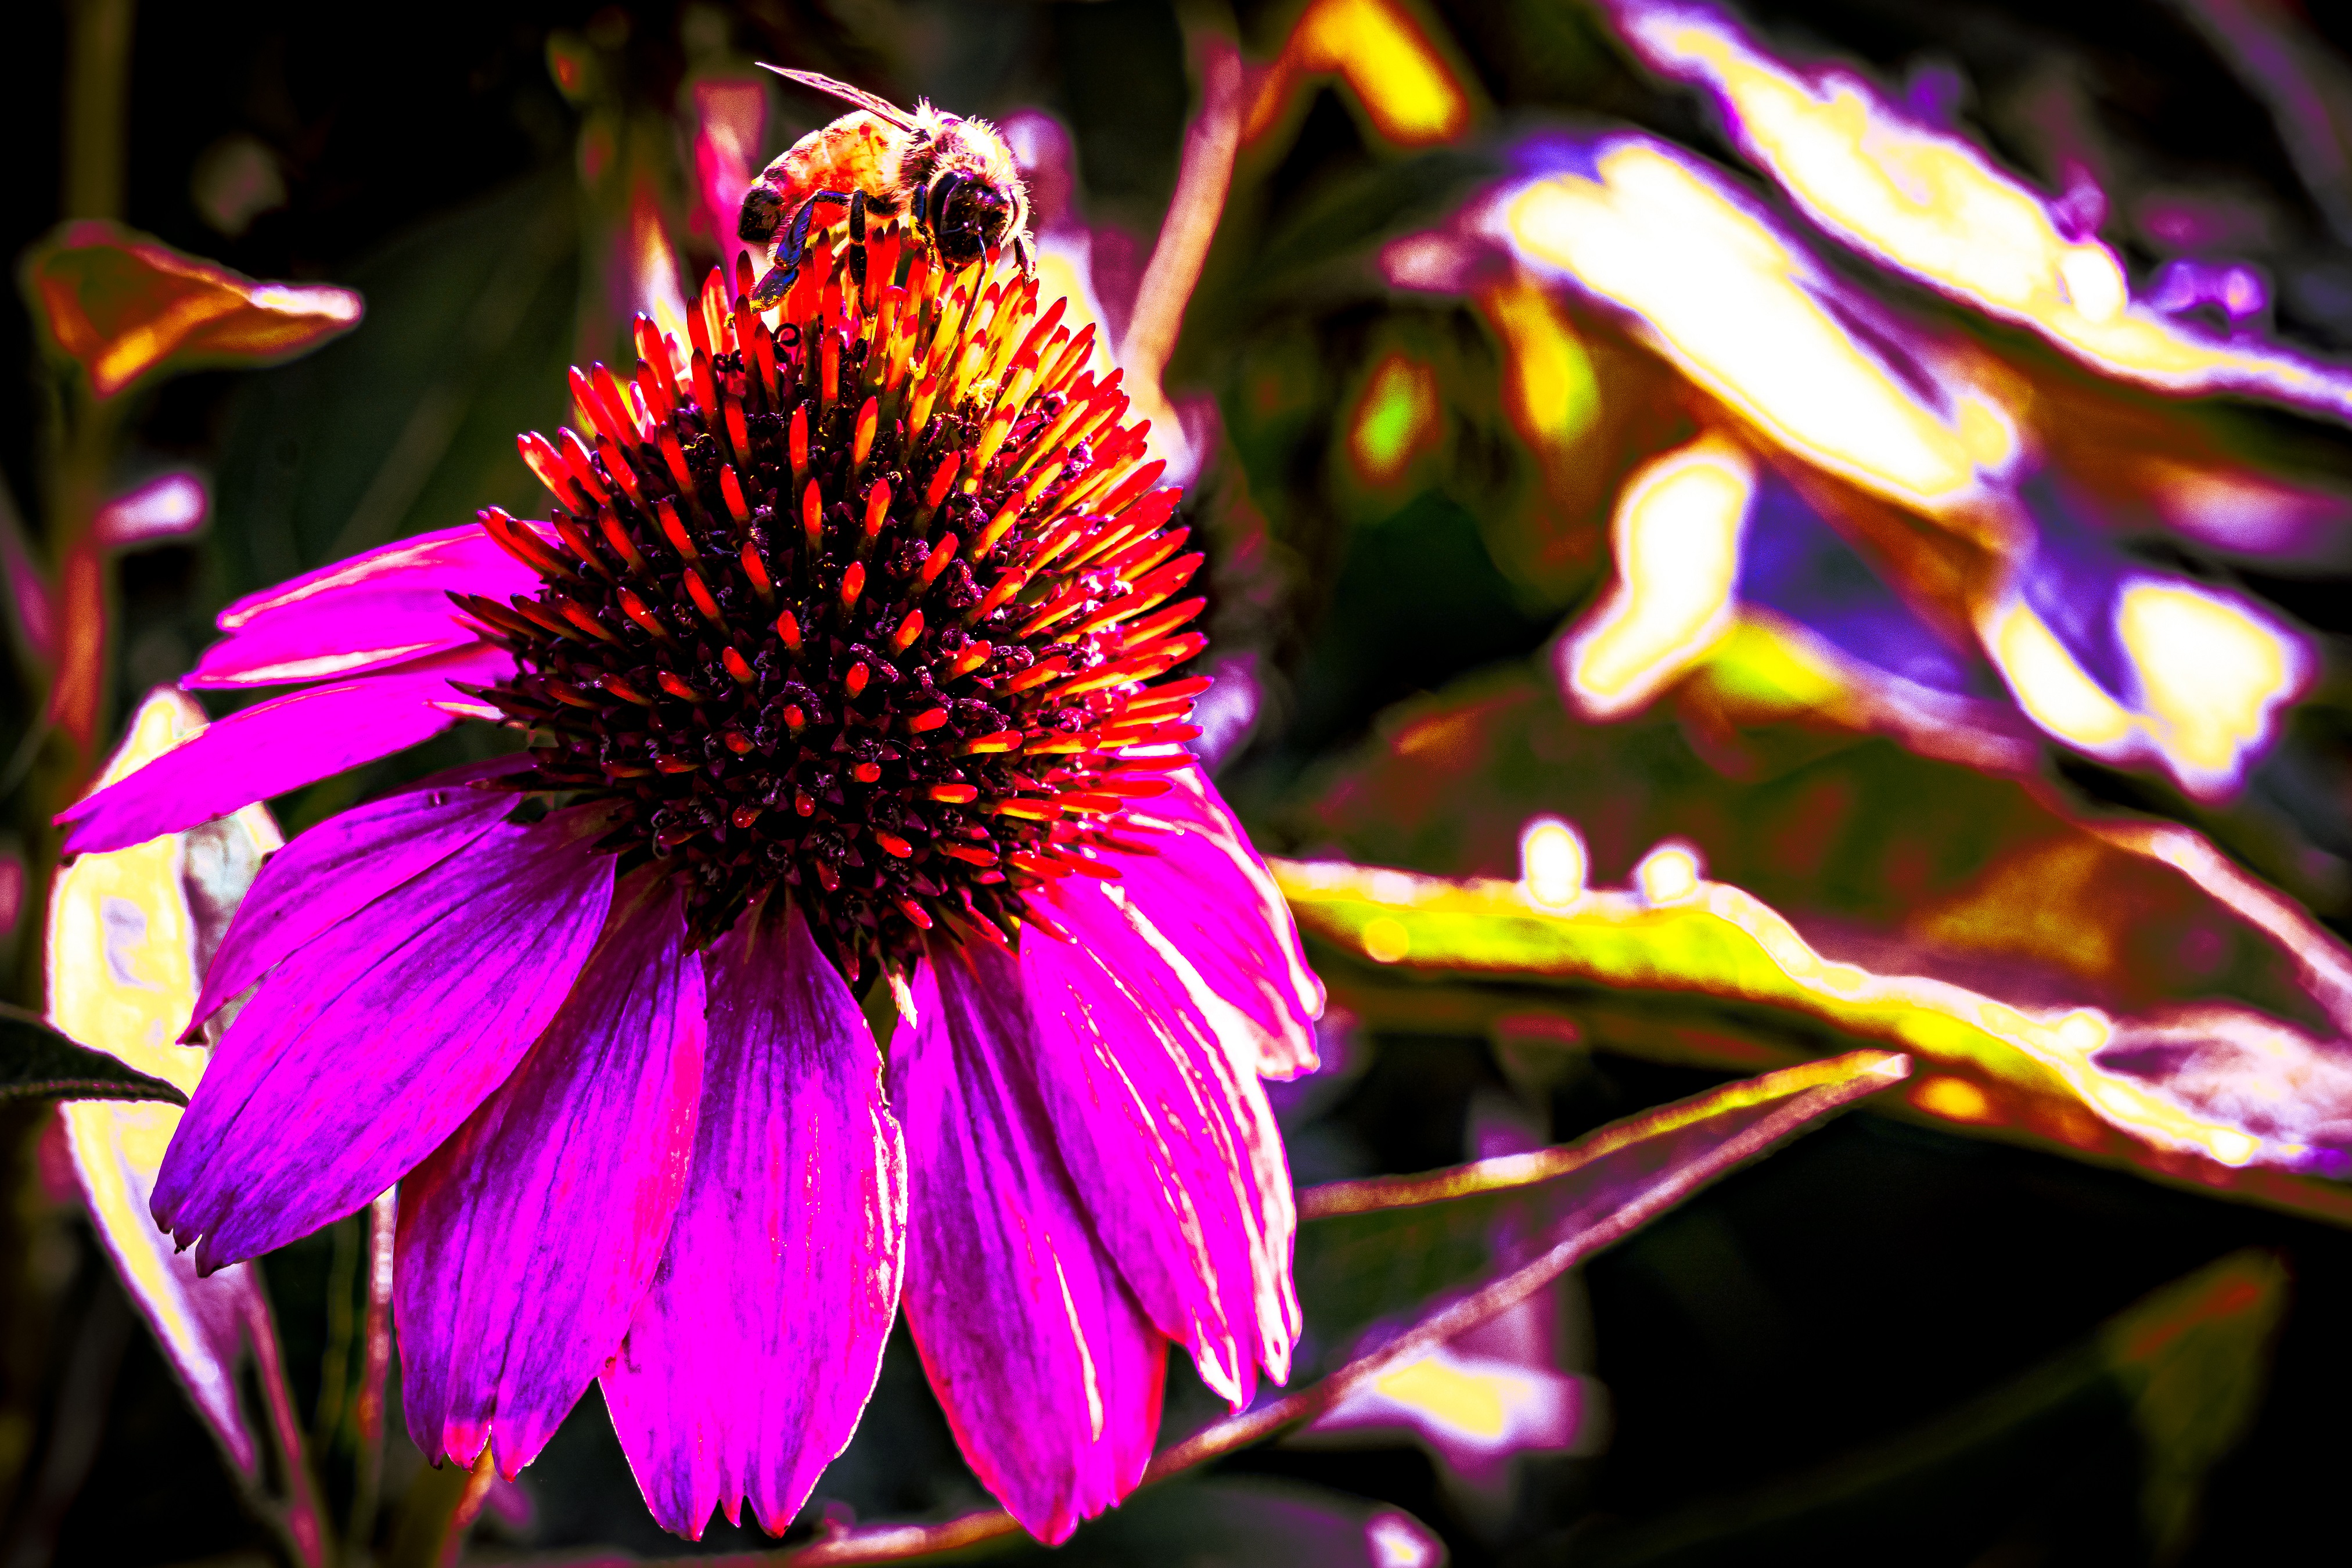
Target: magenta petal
(349,636)
(747,1366)
(367,1047)
(529,1238)
(463,559)
(279,745)
(1205,889)
(341,866)
(1165,1135)
(371,612)
(1048,1371)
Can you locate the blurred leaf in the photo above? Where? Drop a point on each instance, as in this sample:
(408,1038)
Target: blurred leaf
(1898,862)
(124,307)
(1398,63)
(2187,1365)
(38,1063)
(129,934)
(1856,162)
(1740,970)
(1372,1250)
(2195,1357)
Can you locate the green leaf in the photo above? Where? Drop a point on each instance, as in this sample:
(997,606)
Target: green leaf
(1372,1251)
(1704,972)
(36,1062)
(2195,1357)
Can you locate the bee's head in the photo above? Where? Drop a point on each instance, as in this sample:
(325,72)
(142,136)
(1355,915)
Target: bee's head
(968,215)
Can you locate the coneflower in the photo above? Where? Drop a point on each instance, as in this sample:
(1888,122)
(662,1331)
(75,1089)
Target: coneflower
(849,646)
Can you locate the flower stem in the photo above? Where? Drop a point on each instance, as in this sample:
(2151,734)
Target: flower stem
(367,1411)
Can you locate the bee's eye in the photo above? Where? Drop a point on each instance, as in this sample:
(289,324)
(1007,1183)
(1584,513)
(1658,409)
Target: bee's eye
(757,223)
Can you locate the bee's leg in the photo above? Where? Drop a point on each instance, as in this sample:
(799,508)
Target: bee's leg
(857,238)
(793,248)
(1026,254)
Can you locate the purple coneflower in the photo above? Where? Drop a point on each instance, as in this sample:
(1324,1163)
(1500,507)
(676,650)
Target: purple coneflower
(837,661)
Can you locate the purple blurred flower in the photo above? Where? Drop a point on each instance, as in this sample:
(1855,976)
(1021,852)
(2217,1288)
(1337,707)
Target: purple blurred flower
(591,1006)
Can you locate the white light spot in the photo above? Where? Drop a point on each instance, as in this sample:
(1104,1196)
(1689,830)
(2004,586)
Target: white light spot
(1668,872)
(1552,862)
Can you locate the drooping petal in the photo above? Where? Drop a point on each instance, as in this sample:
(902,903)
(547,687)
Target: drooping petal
(361,613)
(281,744)
(367,632)
(1120,1064)
(748,1365)
(1168,1134)
(1205,887)
(463,558)
(528,1239)
(340,866)
(1048,1369)
(374,1040)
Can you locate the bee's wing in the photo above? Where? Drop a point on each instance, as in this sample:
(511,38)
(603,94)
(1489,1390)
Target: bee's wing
(848,94)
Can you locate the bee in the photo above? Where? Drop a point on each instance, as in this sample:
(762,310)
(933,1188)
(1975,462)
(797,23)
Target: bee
(953,177)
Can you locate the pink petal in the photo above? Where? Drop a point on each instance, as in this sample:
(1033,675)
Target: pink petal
(168,506)
(374,1040)
(1169,1137)
(465,560)
(279,745)
(351,636)
(1048,1369)
(1206,889)
(746,1368)
(1121,1060)
(341,866)
(528,1239)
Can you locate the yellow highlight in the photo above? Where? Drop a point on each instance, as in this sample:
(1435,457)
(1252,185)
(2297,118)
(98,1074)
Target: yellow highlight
(1937,208)
(1396,420)
(1549,390)
(1729,303)
(2211,674)
(2055,692)
(122,978)
(1676,535)
(1953,1099)
(652,283)
(1667,873)
(1386,940)
(1391,63)
(1475,1404)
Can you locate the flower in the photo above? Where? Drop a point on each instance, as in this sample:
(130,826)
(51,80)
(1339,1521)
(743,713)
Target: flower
(837,660)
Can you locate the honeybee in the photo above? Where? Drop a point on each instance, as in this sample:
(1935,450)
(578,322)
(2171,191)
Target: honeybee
(954,177)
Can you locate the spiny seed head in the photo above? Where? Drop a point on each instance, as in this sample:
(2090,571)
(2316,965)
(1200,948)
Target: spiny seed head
(871,598)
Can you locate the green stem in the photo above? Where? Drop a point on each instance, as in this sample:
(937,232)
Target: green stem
(98,86)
